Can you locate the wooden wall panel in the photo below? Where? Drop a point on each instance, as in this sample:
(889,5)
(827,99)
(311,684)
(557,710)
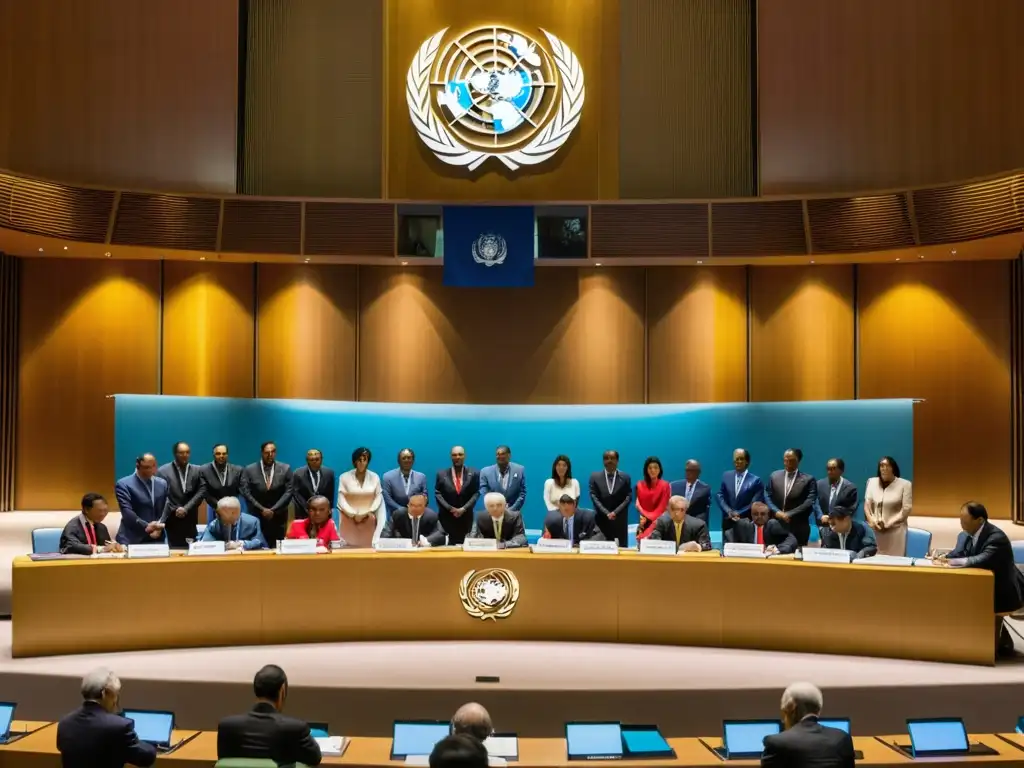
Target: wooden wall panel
(88,329)
(122,92)
(941,332)
(871,94)
(801,333)
(9,289)
(313,109)
(208,330)
(697,334)
(685,82)
(307,331)
(576,337)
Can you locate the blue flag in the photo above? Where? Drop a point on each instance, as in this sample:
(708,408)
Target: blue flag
(488,246)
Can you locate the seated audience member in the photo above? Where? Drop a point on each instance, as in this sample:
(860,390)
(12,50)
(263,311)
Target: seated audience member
(473,720)
(234,527)
(459,751)
(86,534)
(983,545)
(571,522)
(844,532)
(264,733)
(415,522)
(804,742)
(95,735)
(318,523)
(498,522)
(689,533)
(761,528)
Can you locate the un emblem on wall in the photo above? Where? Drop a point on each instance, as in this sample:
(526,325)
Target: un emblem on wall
(490,250)
(489,594)
(494,92)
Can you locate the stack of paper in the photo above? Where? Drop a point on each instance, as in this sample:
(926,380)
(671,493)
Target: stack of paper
(332,745)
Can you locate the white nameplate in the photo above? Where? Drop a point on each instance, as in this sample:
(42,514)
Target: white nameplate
(207,548)
(599,547)
(553,545)
(420,761)
(392,544)
(480,545)
(885,560)
(657,547)
(149,550)
(108,555)
(732,549)
(297,547)
(821,555)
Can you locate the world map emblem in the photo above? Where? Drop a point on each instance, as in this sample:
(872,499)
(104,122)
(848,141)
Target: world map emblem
(494,92)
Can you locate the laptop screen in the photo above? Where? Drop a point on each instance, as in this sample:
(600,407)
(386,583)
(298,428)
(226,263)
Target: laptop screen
(590,740)
(154,727)
(1020,725)
(945,735)
(417,738)
(6,716)
(747,737)
(645,741)
(842,723)
(318,730)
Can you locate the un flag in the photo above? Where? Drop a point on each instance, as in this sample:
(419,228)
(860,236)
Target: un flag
(488,246)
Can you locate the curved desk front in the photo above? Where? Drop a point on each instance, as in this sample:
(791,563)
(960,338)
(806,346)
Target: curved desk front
(95,606)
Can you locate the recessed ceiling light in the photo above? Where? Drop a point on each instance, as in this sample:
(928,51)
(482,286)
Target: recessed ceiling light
(598,264)
(953,252)
(699,261)
(107,254)
(202,258)
(65,248)
(40,250)
(306,261)
(812,261)
(405,263)
(920,255)
(897,258)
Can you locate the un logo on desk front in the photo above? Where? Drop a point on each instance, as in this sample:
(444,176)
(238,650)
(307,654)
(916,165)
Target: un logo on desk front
(489,594)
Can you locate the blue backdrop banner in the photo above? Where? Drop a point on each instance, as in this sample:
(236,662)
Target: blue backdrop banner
(859,431)
(488,246)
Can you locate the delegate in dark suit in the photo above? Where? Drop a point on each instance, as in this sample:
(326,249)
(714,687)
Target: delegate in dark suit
(75,541)
(91,737)
(141,502)
(397,487)
(429,526)
(582,528)
(860,540)
(693,529)
(513,532)
(187,497)
(798,503)
(730,501)
(264,733)
(846,496)
(611,493)
(994,553)
(306,484)
(218,482)
(808,744)
(450,495)
(775,535)
(268,487)
(700,497)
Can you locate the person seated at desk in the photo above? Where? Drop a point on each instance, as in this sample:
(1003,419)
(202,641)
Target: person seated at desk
(264,733)
(689,533)
(86,534)
(846,533)
(761,528)
(498,522)
(804,742)
(417,523)
(459,751)
(95,735)
(473,720)
(570,522)
(317,524)
(235,528)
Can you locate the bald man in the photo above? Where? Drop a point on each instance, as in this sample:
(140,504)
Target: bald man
(456,491)
(141,497)
(696,492)
(473,720)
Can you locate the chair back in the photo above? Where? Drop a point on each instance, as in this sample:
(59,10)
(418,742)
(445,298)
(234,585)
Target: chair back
(1018,552)
(919,541)
(46,540)
(631,537)
(533,535)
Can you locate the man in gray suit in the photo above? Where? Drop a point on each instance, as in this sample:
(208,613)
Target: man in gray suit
(184,495)
(505,477)
(401,484)
(266,486)
(689,533)
(834,491)
(791,495)
(499,522)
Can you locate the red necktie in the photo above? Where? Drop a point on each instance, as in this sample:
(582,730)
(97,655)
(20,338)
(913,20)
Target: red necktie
(90,535)
(458,482)
(760,534)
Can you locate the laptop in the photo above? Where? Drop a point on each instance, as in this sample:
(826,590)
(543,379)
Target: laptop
(6,718)
(744,739)
(1020,725)
(416,738)
(645,742)
(152,726)
(842,724)
(593,741)
(941,737)
(319,730)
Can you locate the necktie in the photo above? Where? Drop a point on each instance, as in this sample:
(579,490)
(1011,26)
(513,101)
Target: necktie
(90,534)
(458,481)
(689,490)
(565,528)
(415,530)
(760,534)
(570,521)
(497,529)
(969,547)
(739,483)
(842,541)
(832,496)
(679,533)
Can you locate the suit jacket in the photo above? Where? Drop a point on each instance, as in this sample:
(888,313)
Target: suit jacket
(447,498)
(694,529)
(138,509)
(700,497)
(513,532)
(253,488)
(515,494)
(584,526)
(808,744)
(91,737)
(847,496)
(264,733)
(802,494)
(392,485)
(189,497)
(616,502)
(729,501)
(775,534)
(302,488)
(399,526)
(73,540)
(214,490)
(994,553)
(246,530)
(860,540)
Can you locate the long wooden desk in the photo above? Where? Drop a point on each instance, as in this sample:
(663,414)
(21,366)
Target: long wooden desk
(359,595)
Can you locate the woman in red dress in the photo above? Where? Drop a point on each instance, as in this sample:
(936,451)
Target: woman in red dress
(652,495)
(319,525)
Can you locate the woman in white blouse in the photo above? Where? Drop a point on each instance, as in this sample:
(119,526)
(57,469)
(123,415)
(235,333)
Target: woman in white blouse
(361,502)
(888,502)
(561,482)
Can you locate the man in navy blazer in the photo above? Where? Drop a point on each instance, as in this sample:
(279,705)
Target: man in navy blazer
(401,484)
(416,522)
(834,490)
(141,497)
(505,477)
(739,490)
(696,492)
(571,522)
(846,533)
(94,736)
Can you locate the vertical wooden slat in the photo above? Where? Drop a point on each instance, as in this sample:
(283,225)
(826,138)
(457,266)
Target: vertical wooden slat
(9,271)
(1017,387)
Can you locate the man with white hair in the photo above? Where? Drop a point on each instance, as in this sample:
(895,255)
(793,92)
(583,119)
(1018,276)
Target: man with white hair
(94,735)
(804,742)
(235,528)
(499,522)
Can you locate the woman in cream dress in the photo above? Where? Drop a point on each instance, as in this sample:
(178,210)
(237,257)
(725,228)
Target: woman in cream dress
(560,483)
(888,501)
(361,502)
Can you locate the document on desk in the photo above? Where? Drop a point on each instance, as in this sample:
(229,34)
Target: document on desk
(892,560)
(480,545)
(333,746)
(657,547)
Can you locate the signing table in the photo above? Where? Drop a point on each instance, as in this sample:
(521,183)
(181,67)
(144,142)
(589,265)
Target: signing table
(108,605)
